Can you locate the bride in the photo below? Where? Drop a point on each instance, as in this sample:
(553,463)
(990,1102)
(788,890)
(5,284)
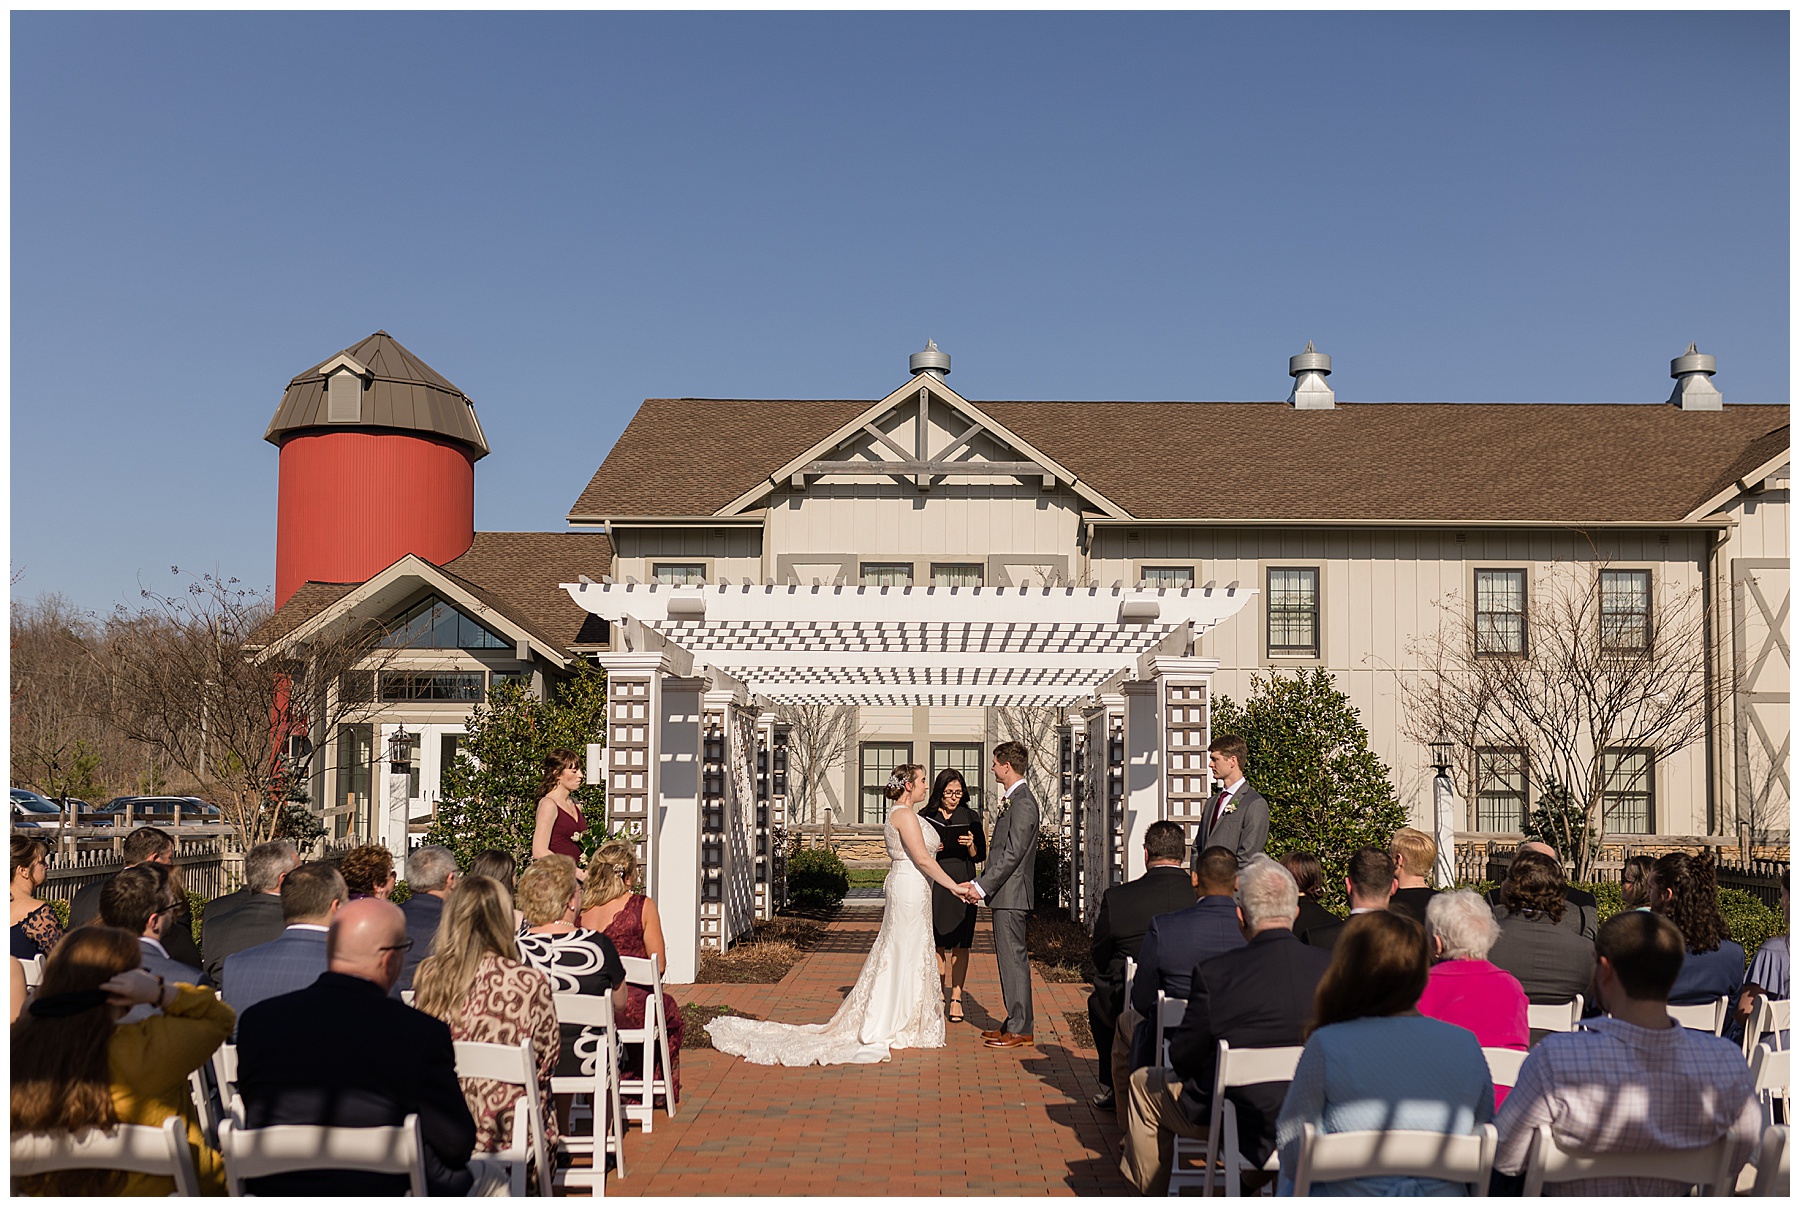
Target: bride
(898,999)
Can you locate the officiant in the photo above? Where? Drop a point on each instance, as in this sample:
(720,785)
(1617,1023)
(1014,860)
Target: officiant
(952,918)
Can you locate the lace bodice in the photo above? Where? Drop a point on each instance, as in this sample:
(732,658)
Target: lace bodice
(897,850)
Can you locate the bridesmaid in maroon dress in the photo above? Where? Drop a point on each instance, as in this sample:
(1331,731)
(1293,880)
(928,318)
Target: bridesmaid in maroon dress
(560,823)
(630,920)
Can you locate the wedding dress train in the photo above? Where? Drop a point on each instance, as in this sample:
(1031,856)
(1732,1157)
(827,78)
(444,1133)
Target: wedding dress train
(897,1001)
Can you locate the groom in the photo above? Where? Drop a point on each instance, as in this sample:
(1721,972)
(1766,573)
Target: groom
(1006,887)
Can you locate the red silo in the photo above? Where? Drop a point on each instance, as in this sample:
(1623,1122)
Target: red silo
(378,455)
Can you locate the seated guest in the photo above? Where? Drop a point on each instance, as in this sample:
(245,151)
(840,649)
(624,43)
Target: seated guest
(146,844)
(576,959)
(1125,912)
(1634,1081)
(630,920)
(1463,987)
(431,874)
(1257,996)
(242,920)
(35,929)
(310,896)
(1768,975)
(1369,885)
(1309,875)
(1550,960)
(383,1061)
(368,871)
(139,900)
(1373,1063)
(1634,881)
(473,980)
(76,1065)
(1583,911)
(1413,852)
(1684,890)
(499,867)
(1176,941)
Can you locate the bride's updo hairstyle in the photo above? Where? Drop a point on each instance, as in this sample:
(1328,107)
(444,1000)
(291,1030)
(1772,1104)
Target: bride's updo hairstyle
(903,776)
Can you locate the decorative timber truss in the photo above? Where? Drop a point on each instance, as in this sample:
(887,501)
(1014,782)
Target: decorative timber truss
(696,755)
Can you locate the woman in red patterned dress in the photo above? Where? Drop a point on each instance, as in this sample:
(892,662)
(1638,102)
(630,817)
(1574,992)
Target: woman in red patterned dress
(630,920)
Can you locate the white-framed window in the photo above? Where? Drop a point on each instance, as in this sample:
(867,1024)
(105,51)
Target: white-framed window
(1168,576)
(964,757)
(957,574)
(434,624)
(1501,788)
(1628,798)
(878,761)
(887,574)
(434,686)
(1500,611)
(1293,611)
(678,574)
(1624,611)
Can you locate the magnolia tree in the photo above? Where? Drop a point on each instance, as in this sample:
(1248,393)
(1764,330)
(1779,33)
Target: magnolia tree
(1591,667)
(1039,730)
(819,736)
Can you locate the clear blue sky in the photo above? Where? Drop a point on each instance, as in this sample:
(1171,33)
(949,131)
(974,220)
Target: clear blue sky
(568,213)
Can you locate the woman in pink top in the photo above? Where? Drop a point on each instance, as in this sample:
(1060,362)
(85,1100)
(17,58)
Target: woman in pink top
(1463,988)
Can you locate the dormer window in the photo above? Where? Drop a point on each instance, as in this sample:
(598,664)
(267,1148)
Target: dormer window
(344,381)
(433,624)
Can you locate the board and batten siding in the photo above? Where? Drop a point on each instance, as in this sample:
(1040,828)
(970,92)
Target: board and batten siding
(1752,582)
(734,552)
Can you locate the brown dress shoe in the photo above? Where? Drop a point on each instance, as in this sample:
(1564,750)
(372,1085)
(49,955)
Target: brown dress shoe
(1010,1041)
(993,1034)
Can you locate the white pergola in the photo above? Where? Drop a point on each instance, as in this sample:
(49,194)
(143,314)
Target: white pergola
(695,759)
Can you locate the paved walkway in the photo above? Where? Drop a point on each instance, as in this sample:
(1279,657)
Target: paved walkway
(960,1120)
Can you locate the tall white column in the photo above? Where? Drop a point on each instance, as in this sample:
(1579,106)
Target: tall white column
(677,824)
(1143,772)
(1184,685)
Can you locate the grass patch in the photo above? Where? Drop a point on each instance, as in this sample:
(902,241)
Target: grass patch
(693,1024)
(868,877)
(766,954)
(1059,948)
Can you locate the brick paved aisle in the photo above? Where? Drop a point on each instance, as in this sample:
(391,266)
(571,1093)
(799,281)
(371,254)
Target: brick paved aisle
(960,1120)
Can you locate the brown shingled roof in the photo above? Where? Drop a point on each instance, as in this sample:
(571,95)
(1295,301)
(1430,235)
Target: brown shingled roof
(402,392)
(514,572)
(1480,462)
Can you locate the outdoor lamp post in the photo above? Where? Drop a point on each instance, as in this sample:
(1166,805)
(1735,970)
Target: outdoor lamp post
(399,773)
(1444,812)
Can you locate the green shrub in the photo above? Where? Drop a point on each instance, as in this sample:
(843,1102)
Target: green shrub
(60,908)
(1611,896)
(195,903)
(402,891)
(1049,871)
(817,877)
(1750,921)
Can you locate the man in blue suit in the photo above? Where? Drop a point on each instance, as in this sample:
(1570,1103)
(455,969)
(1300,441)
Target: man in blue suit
(310,895)
(1176,941)
(142,900)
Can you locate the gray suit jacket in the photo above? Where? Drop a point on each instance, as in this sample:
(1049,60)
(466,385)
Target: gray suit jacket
(1245,829)
(1012,851)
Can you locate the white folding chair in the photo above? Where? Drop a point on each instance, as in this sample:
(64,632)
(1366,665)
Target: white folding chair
(1709,1167)
(1130,976)
(1772,1164)
(133,1147)
(1563,1017)
(406,995)
(291,1148)
(653,1040)
(595,1012)
(225,1065)
(1169,1013)
(201,1095)
(1703,1016)
(1771,1018)
(1769,1070)
(1343,1156)
(1504,1064)
(514,1064)
(34,971)
(1220,1152)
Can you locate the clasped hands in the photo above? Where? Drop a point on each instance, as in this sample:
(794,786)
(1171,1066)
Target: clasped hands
(968,892)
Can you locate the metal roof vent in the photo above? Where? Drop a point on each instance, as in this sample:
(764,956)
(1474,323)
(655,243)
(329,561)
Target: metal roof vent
(930,361)
(1309,371)
(1694,390)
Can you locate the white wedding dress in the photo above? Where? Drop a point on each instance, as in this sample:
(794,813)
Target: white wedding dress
(898,999)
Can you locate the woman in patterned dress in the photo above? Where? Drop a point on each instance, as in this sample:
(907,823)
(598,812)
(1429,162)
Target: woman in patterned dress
(576,959)
(35,929)
(630,920)
(474,981)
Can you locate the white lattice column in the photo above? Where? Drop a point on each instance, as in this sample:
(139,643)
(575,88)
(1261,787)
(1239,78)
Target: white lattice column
(1103,813)
(740,821)
(760,840)
(1185,688)
(715,818)
(678,839)
(633,697)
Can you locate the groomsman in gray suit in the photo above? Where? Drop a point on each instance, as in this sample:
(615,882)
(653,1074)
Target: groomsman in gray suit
(1237,817)
(1006,887)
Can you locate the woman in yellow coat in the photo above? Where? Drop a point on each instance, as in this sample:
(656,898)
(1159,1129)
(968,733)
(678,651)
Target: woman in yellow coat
(74,1066)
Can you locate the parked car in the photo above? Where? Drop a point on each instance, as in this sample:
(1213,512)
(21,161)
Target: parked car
(154,809)
(31,811)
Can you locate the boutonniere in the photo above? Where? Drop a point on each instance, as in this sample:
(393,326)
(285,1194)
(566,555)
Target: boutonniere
(1230,808)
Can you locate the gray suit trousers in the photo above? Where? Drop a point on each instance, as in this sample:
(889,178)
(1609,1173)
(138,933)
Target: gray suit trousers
(1015,969)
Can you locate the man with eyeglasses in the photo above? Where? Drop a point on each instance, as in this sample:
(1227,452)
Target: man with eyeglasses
(142,900)
(382,1061)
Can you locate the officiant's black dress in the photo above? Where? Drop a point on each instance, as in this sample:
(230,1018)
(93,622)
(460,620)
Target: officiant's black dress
(952,918)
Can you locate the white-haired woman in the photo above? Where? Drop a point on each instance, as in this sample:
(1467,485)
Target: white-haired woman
(1463,988)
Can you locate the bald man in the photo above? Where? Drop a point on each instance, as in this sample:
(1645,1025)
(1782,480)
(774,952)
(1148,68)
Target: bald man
(340,1052)
(1584,915)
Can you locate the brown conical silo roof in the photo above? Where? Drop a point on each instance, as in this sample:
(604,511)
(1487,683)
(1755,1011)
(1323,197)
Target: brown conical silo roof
(400,392)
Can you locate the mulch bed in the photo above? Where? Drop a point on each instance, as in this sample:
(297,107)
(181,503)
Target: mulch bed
(693,1023)
(765,955)
(1059,948)
(1081,1034)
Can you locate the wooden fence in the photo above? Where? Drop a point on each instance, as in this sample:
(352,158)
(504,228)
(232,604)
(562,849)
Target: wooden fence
(209,858)
(1487,858)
